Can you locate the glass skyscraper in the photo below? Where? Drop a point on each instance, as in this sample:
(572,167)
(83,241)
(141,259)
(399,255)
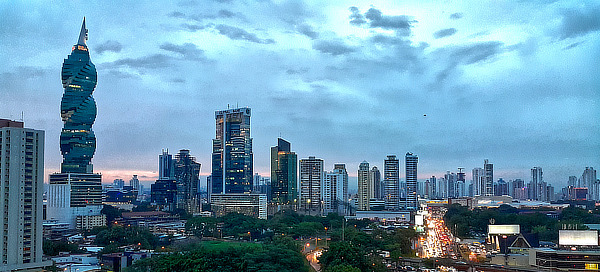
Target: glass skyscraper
(78,108)
(411,161)
(391,189)
(284,173)
(232,152)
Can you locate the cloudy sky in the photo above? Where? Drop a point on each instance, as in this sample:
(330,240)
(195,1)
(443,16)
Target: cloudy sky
(455,82)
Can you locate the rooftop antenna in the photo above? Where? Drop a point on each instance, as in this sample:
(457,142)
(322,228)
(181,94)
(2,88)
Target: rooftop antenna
(22,116)
(227,105)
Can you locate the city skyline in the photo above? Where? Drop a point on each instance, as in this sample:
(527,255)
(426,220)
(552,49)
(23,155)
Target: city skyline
(326,82)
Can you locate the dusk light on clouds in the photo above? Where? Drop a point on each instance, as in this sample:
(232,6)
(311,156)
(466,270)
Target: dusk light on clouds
(455,82)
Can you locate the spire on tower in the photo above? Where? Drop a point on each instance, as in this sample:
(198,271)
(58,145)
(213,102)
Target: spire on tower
(83,35)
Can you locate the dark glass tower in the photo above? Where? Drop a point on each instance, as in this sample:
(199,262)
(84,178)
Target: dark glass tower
(232,152)
(78,109)
(284,173)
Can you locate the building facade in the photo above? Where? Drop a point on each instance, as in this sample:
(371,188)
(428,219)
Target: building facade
(411,161)
(76,191)
(365,186)
(391,180)
(311,181)
(284,174)
(187,172)
(232,155)
(254,205)
(488,169)
(21,190)
(375,180)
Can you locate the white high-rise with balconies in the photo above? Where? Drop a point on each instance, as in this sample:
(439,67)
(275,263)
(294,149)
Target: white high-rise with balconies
(21,190)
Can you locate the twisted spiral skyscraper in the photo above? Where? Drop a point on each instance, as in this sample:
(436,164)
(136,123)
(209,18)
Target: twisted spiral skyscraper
(78,108)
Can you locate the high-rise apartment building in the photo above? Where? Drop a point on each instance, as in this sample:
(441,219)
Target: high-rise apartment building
(311,181)
(375,179)
(478,182)
(187,172)
(335,190)
(232,155)
(589,180)
(76,191)
(433,188)
(166,169)
(284,174)
(365,186)
(488,169)
(450,180)
(411,161)
(21,190)
(535,186)
(391,179)
(163,192)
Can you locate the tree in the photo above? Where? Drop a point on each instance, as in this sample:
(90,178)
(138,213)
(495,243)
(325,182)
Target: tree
(343,268)
(345,253)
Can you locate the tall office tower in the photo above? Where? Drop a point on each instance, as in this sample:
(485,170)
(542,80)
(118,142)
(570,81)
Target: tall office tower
(478,182)
(311,180)
(232,152)
(461,180)
(450,179)
(166,169)
(365,187)
(75,194)
(391,177)
(187,171)
(411,161)
(284,174)
(488,169)
(134,182)
(535,185)
(375,179)
(572,181)
(588,180)
(340,168)
(501,188)
(335,190)
(118,183)
(433,185)
(163,192)
(427,189)
(519,190)
(21,190)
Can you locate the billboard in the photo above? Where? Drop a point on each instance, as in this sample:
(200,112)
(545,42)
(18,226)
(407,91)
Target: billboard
(578,237)
(503,229)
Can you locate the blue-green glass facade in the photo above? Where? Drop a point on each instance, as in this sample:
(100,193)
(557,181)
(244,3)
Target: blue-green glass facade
(78,109)
(232,155)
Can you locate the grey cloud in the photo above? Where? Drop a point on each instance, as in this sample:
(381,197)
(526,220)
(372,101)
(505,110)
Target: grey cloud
(444,33)
(573,45)
(176,14)
(192,28)
(398,22)
(111,46)
(467,54)
(334,47)
(22,72)
(236,33)
(225,13)
(579,22)
(307,30)
(456,16)
(148,62)
(356,18)
(121,74)
(476,52)
(189,51)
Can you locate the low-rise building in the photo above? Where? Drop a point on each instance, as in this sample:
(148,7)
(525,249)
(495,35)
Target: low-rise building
(254,205)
